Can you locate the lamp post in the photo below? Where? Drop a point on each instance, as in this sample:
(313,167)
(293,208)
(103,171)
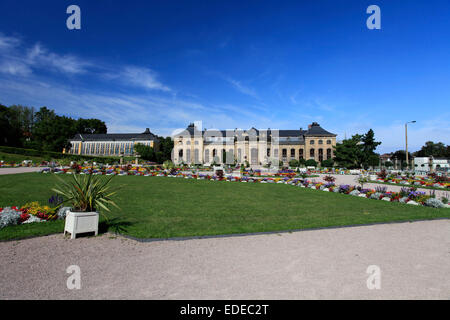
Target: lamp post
(406,143)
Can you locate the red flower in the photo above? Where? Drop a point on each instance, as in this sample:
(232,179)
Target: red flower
(24,217)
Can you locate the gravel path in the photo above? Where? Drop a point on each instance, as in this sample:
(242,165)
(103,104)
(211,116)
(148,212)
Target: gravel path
(414,259)
(18,170)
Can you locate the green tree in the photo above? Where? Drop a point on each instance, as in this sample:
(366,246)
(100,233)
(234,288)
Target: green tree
(369,145)
(311,163)
(166,147)
(9,135)
(433,149)
(146,152)
(293,163)
(327,163)
(91,126)
(51,132)
(349,152)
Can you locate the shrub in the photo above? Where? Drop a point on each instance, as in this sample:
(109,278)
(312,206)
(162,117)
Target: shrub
(376,195)
(329,178)
(327,163)
(168,164)
(382,174)
(87,193)
(9,217)
(293,163)
(433,202)
(381,189)
(311,163)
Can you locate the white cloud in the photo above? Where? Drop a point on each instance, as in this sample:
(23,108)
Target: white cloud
(242,88)
(140,77)
(7,43)
(14,67)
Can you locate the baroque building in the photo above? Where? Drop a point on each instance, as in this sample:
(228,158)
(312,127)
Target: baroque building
(111,144)
(257,147)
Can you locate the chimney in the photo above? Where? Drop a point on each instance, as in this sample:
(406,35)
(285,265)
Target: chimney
(147,131)
(309,126)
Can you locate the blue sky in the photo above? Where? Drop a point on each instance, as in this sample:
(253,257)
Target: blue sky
(234,64)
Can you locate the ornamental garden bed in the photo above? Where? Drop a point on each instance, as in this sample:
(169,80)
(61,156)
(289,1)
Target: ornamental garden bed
(161,207)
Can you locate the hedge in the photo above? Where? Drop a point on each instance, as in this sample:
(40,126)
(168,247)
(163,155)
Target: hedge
(57,155)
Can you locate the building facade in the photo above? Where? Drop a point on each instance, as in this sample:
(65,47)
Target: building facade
(431,164)
(111,144)
(257,147)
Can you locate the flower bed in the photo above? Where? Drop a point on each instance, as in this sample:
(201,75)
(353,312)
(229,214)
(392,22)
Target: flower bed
(406,195)
(432,180)
(32,212)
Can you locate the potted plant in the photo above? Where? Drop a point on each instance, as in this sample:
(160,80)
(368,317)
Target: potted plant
(86,194)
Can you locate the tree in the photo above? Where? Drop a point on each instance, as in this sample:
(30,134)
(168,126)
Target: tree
(369,145)
(357,152)
(311,163)
(430,148)
(146,152)
(166,147)
(9,135)
(327,163)
(349,153)
(388,164)
(401,155)
(91,126)
(293,163)
(51,132)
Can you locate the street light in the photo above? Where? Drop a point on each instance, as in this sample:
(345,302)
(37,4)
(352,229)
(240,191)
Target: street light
(406,142)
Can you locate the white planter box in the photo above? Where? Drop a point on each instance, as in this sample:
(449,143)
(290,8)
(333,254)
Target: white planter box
(80,222)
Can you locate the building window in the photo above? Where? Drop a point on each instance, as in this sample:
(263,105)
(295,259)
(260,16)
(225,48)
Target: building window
(230,156)
(268,152)
(188,142)
(239,154)
(300,154)
(320,141)
(311,142)
(320,155)
(196,156)
(188,156)
(292,153)
(196,142)
(311,153)
(207,155)
(180,155)
(328,153)
(328,141)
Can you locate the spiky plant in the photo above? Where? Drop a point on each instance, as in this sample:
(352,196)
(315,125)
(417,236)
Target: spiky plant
(87,193)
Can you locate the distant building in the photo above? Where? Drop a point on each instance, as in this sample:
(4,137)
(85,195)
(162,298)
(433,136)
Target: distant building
(111,144)
(254,146)
(386,157)
(435,164)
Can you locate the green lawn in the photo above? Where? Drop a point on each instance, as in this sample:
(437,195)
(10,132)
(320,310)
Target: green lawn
(18,158)
(160,207)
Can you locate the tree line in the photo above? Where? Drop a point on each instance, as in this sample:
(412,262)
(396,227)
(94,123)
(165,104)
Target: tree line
(44,130)
(359,152)
(24,127)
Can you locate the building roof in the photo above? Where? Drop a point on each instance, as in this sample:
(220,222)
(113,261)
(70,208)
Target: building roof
(315,129)
(144,136)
